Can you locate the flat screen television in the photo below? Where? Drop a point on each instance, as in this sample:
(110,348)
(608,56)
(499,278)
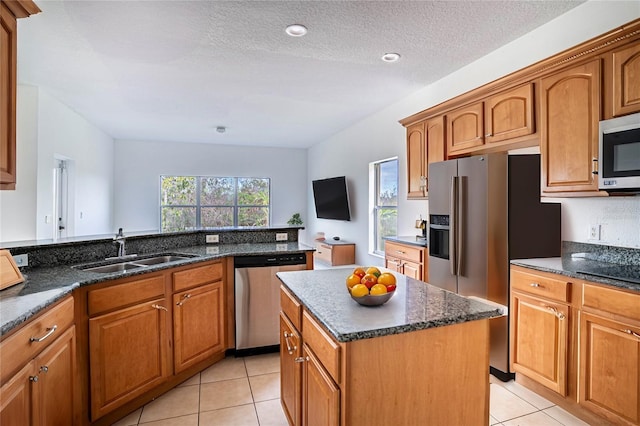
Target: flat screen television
(331,198)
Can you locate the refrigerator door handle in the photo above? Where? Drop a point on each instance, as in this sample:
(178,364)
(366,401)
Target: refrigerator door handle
(460,222)
(453,225)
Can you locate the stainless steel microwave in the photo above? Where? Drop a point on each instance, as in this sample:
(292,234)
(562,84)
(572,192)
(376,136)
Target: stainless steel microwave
(619,154)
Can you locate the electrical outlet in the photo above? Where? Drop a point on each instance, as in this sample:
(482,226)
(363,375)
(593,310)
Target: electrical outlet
(213,239)
(213,250)
(21,259)
(594,232)
(281,247)
(282,236)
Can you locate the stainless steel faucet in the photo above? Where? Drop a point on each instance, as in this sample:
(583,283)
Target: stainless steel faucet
(120,239)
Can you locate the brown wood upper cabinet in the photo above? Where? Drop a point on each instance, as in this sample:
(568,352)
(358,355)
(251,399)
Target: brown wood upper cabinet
(425,144)
(570,113)
(509,115)
(625,81)
(465,128)
(9,12)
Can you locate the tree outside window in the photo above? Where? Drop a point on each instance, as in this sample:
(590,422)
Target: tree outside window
(194,202)
(385,202)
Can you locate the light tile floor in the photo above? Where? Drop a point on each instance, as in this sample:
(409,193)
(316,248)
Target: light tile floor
(246,392)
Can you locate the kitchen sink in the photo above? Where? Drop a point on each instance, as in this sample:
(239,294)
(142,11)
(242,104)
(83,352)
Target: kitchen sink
(116,267)
(133,263)
(159,259)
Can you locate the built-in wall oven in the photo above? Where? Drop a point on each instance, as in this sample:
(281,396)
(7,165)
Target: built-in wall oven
(257,300)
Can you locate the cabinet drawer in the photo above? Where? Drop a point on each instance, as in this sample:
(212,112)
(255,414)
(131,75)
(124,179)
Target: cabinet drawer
(323,346)
(291,308)
(17,349)
(324,252)
(611,300)
(541,284)
(414,254)
(197,276)
(121,295)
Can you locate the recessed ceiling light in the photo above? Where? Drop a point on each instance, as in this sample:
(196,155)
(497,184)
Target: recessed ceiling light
(221,129)
(391,57)
(296,30)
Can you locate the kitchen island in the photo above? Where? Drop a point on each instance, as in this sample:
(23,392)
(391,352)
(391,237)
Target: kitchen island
(421,358)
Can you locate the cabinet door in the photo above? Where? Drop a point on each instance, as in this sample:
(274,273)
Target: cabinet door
(509,114)
(393,263)
(15,398)
(570,114)
(626,80)
(434,134)
(416,155)
(8,83)
(198,324)
(321,396)
(128,352)
(54,393)
(465,128)
(610,369)
(290,371)
(540,331)
(413,270)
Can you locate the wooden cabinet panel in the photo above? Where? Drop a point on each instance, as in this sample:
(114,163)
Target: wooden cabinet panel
(416,155)
(610,375)
(290,371)
(626,80)
(325,348)
(611,300)
(195,276)
(8,81)
(465,128)
(291,308)
(538,283)
(434,133)
(570,114)
(198,325)
(335,253)
(509,114)
(53,392)
(128,354)
(321,396)
(413,270)
(408,260)
(540,340)
(126,294)
(15,398)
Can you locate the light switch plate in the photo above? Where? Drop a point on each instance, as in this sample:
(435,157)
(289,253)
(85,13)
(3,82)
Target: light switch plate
(21,260)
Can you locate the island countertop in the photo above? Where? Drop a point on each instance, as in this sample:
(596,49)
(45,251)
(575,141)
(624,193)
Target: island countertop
(415,306)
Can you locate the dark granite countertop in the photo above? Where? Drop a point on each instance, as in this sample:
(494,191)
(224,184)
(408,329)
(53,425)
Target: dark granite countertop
(413,240)
(415,306)
(47,284)
(583,269)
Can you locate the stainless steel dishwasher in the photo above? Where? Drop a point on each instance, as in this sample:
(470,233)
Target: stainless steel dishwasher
(257,300)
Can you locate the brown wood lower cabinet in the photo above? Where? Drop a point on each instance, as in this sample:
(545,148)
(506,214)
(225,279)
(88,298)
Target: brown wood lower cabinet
(321,396)
(290,371)
(408,260)
(579,339)
(128,354)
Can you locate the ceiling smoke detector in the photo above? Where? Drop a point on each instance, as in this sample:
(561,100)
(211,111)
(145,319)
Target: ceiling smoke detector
(391,57)
(296,30)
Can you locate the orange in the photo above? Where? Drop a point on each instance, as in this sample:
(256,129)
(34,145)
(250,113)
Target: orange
(386,278)
(359,272)
(378,289)
(359,290)
(352,280)
(373,271)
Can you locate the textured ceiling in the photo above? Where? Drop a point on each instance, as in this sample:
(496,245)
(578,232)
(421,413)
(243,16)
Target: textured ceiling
(175,70)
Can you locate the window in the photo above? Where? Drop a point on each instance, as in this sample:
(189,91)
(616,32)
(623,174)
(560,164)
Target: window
(383,183)
(194,202)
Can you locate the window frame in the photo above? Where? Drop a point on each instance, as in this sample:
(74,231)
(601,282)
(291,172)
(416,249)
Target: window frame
(199,205)
(374,208)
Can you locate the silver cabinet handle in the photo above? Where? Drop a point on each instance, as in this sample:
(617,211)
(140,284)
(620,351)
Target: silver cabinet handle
(44,369)
(559,315)
(33,379)
(302,359)
(184,299)
(631,332)
(159,307)
(50,331)
(400,251)
(534,285)
(290,348)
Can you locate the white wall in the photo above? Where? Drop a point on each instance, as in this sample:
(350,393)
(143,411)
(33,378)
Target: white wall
(138,166)
(64,133)
(380,136)
(18,208)
(47,129)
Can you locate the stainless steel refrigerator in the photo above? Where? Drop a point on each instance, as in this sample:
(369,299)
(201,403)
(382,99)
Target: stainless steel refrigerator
(483,211)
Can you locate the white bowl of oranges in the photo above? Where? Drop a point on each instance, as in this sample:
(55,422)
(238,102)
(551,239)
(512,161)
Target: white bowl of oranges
(370,287)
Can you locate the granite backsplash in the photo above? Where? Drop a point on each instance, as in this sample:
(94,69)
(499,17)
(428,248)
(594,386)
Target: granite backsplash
(601,253)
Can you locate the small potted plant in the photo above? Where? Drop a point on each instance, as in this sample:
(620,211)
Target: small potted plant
(295,219)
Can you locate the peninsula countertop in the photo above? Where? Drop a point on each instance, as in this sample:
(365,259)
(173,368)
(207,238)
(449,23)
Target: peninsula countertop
(415,306)
(45,285)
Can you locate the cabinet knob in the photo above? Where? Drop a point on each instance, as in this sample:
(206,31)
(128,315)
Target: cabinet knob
(44,369)
(33,379)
